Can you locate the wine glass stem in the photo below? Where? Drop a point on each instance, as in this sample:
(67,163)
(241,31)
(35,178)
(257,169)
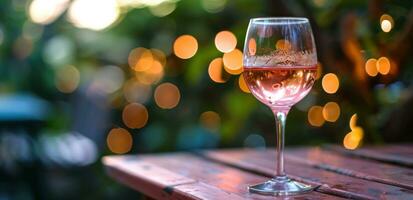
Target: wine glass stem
(280,118)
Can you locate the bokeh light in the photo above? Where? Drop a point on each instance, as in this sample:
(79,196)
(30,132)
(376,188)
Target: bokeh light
(210,120)
(252,46)
(46,11)
(140,59)
(135,115)
(134,91)
(315,116)
(350,142)
(225,41)
(331,111)
(216,71)
(108,79)
(353,121)
(152,75)
(370,67)
(330,83)
(386,23)
(383,65)
(185,46)
(167,95)
(319,71)
(163,9)
(213,6)
(93,14)
(353,139)
(282,44)
(119,140)
(242,85)
(67,79)
(233,62)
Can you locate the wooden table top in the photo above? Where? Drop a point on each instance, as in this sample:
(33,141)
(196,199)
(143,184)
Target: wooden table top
(369,173)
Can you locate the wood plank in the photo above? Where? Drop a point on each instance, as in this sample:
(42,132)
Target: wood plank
(376,154)
(332,183)
(228,179)
(139,177)
(183,176)
(359,168)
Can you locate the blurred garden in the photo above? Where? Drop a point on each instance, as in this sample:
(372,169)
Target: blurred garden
(80,79)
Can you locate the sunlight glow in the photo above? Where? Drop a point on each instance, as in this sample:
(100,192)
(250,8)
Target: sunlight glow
(46,11)
(93,14)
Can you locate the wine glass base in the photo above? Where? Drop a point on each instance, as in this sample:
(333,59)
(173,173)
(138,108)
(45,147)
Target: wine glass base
(280,186)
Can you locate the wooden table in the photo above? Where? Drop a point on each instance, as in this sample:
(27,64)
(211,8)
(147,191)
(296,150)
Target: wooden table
(368,173)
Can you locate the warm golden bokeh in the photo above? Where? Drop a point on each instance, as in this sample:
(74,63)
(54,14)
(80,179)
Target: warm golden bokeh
(283,45)
(185,46)
(386,23)
(119,140)
(135,115)
(167,95)
(353,121)
(252,46)
(353,139)
(331,111)
(210,120)
(319,71)
(350,142)
(225,41)
(383,65)
(233,62)
(330,83)
(140,59)
(216,71)
(242,85)
(152,75)
(370,67)
(315,116)
(159,56)
(67,79)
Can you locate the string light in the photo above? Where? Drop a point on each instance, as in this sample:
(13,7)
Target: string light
(135,115)
(167,95)
(185,46)
(315,116)
(371,67)
(242,85)
(119,140)
(233,62)
(386,23)
(225,41)
(383,65)
(216,71)
(331,111)
(330,83)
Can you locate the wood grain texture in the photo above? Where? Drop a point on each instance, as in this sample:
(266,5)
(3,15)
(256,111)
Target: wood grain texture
(332,183)
(186,176)
(384,154)
(359,168)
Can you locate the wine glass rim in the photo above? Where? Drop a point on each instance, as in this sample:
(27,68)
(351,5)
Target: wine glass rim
(279,20)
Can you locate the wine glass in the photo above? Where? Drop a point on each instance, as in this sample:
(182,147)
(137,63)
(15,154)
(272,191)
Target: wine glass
(280,66)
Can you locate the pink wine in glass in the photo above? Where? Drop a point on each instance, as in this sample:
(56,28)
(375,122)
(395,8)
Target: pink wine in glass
(280,86)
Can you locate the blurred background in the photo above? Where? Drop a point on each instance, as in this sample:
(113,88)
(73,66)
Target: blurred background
(80,79)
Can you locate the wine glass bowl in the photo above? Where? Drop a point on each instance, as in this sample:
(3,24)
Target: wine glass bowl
(280,66)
